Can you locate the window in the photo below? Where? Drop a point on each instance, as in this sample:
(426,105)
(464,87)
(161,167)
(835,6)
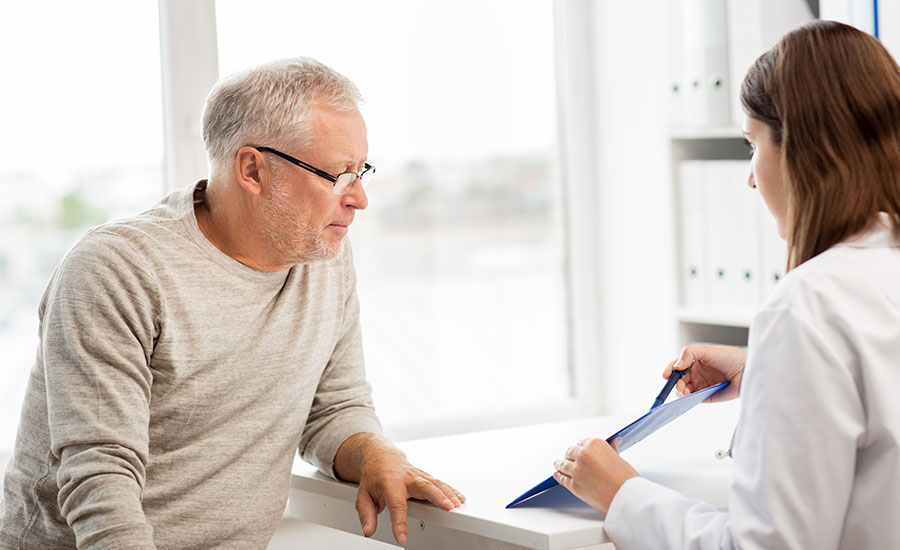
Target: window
(82,141)
(461,253)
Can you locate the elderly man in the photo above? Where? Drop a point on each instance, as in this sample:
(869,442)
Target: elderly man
(187,353)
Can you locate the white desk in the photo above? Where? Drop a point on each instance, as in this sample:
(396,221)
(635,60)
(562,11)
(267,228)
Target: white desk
(492,468)
(296,534)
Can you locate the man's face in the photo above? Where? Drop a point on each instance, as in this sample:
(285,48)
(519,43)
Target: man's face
(301,218)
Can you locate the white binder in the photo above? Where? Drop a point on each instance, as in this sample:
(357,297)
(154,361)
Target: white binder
(678,85)
(747,237)
(694,229)
(722,237)
(704,25)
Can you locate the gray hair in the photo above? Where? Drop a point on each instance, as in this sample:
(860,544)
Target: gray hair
(270,105)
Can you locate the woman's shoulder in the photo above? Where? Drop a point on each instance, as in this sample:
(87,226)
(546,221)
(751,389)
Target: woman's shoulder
(859,273)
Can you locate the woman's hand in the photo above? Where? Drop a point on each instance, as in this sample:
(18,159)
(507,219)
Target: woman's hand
(593,471)
(712,365)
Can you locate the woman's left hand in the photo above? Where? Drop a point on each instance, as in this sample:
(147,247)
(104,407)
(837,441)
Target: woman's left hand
(593,471)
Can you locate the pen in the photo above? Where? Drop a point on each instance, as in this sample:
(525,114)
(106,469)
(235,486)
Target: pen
(670,383)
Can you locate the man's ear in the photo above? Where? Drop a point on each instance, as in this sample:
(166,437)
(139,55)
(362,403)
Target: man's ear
(251,169)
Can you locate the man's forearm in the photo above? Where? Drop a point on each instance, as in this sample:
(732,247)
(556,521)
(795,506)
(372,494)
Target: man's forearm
(352,456)
(386,480)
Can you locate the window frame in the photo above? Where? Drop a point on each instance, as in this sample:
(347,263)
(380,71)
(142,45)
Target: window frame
(186,81)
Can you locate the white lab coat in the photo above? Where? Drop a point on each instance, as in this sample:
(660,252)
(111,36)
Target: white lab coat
(817,449)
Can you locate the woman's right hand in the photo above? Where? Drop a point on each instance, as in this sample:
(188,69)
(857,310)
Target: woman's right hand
(712,365)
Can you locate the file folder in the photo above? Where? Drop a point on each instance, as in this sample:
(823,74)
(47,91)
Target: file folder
(722,253)
(637,431)
(704,36)
(748,238)
(694,232)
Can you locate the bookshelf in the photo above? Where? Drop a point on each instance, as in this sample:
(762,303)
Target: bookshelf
(713,323)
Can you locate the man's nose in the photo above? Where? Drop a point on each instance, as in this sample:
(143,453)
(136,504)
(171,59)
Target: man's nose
(356,196)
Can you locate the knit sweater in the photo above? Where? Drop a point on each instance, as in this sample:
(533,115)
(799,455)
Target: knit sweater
(172,388)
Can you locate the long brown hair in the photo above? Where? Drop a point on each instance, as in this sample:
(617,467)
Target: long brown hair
(831,95)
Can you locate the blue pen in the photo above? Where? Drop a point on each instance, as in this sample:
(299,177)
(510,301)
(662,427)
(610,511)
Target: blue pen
(670,383)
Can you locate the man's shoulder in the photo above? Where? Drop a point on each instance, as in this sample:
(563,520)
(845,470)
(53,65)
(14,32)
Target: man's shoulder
(129,244)
(167,215)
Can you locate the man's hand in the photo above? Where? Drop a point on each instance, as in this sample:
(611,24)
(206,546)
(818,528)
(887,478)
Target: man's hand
(387,479)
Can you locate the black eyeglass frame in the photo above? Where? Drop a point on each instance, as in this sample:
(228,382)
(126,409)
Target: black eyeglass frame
(321,173)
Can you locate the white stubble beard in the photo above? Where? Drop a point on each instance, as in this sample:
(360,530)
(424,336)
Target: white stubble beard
(289,235)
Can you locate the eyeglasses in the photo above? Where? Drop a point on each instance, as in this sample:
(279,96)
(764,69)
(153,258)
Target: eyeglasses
(339,182)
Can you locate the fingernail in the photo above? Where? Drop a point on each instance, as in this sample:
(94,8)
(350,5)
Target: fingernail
(402,538)
(447,503)
(678,364)
(556,464)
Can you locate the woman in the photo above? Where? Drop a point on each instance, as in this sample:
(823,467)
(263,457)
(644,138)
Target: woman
(817,450)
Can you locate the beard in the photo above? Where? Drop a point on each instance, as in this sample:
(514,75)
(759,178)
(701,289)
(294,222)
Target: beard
(289,234)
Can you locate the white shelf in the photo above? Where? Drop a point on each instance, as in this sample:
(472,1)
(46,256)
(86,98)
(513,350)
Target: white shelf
(740,319)
(713,143)
(714,132)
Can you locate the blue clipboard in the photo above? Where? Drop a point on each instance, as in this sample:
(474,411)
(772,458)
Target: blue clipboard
(637,431)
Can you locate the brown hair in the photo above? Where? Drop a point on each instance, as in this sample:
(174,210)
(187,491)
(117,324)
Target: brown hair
(831,95)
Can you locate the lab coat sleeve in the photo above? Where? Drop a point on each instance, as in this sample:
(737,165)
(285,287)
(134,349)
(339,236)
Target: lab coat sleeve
(644,515)
(795,450)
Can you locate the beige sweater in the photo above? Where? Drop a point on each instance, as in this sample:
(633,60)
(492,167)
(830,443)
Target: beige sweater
(172,388)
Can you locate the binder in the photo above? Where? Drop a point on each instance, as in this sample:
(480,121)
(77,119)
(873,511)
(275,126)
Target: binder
(678,85)
(704,26)
(722,264)
(693,218)
(747,229)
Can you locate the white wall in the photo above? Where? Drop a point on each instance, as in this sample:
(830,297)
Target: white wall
(634,203)
(889,26)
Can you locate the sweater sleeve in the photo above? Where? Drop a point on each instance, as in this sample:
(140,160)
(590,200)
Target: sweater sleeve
(343,405)
(97,333)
